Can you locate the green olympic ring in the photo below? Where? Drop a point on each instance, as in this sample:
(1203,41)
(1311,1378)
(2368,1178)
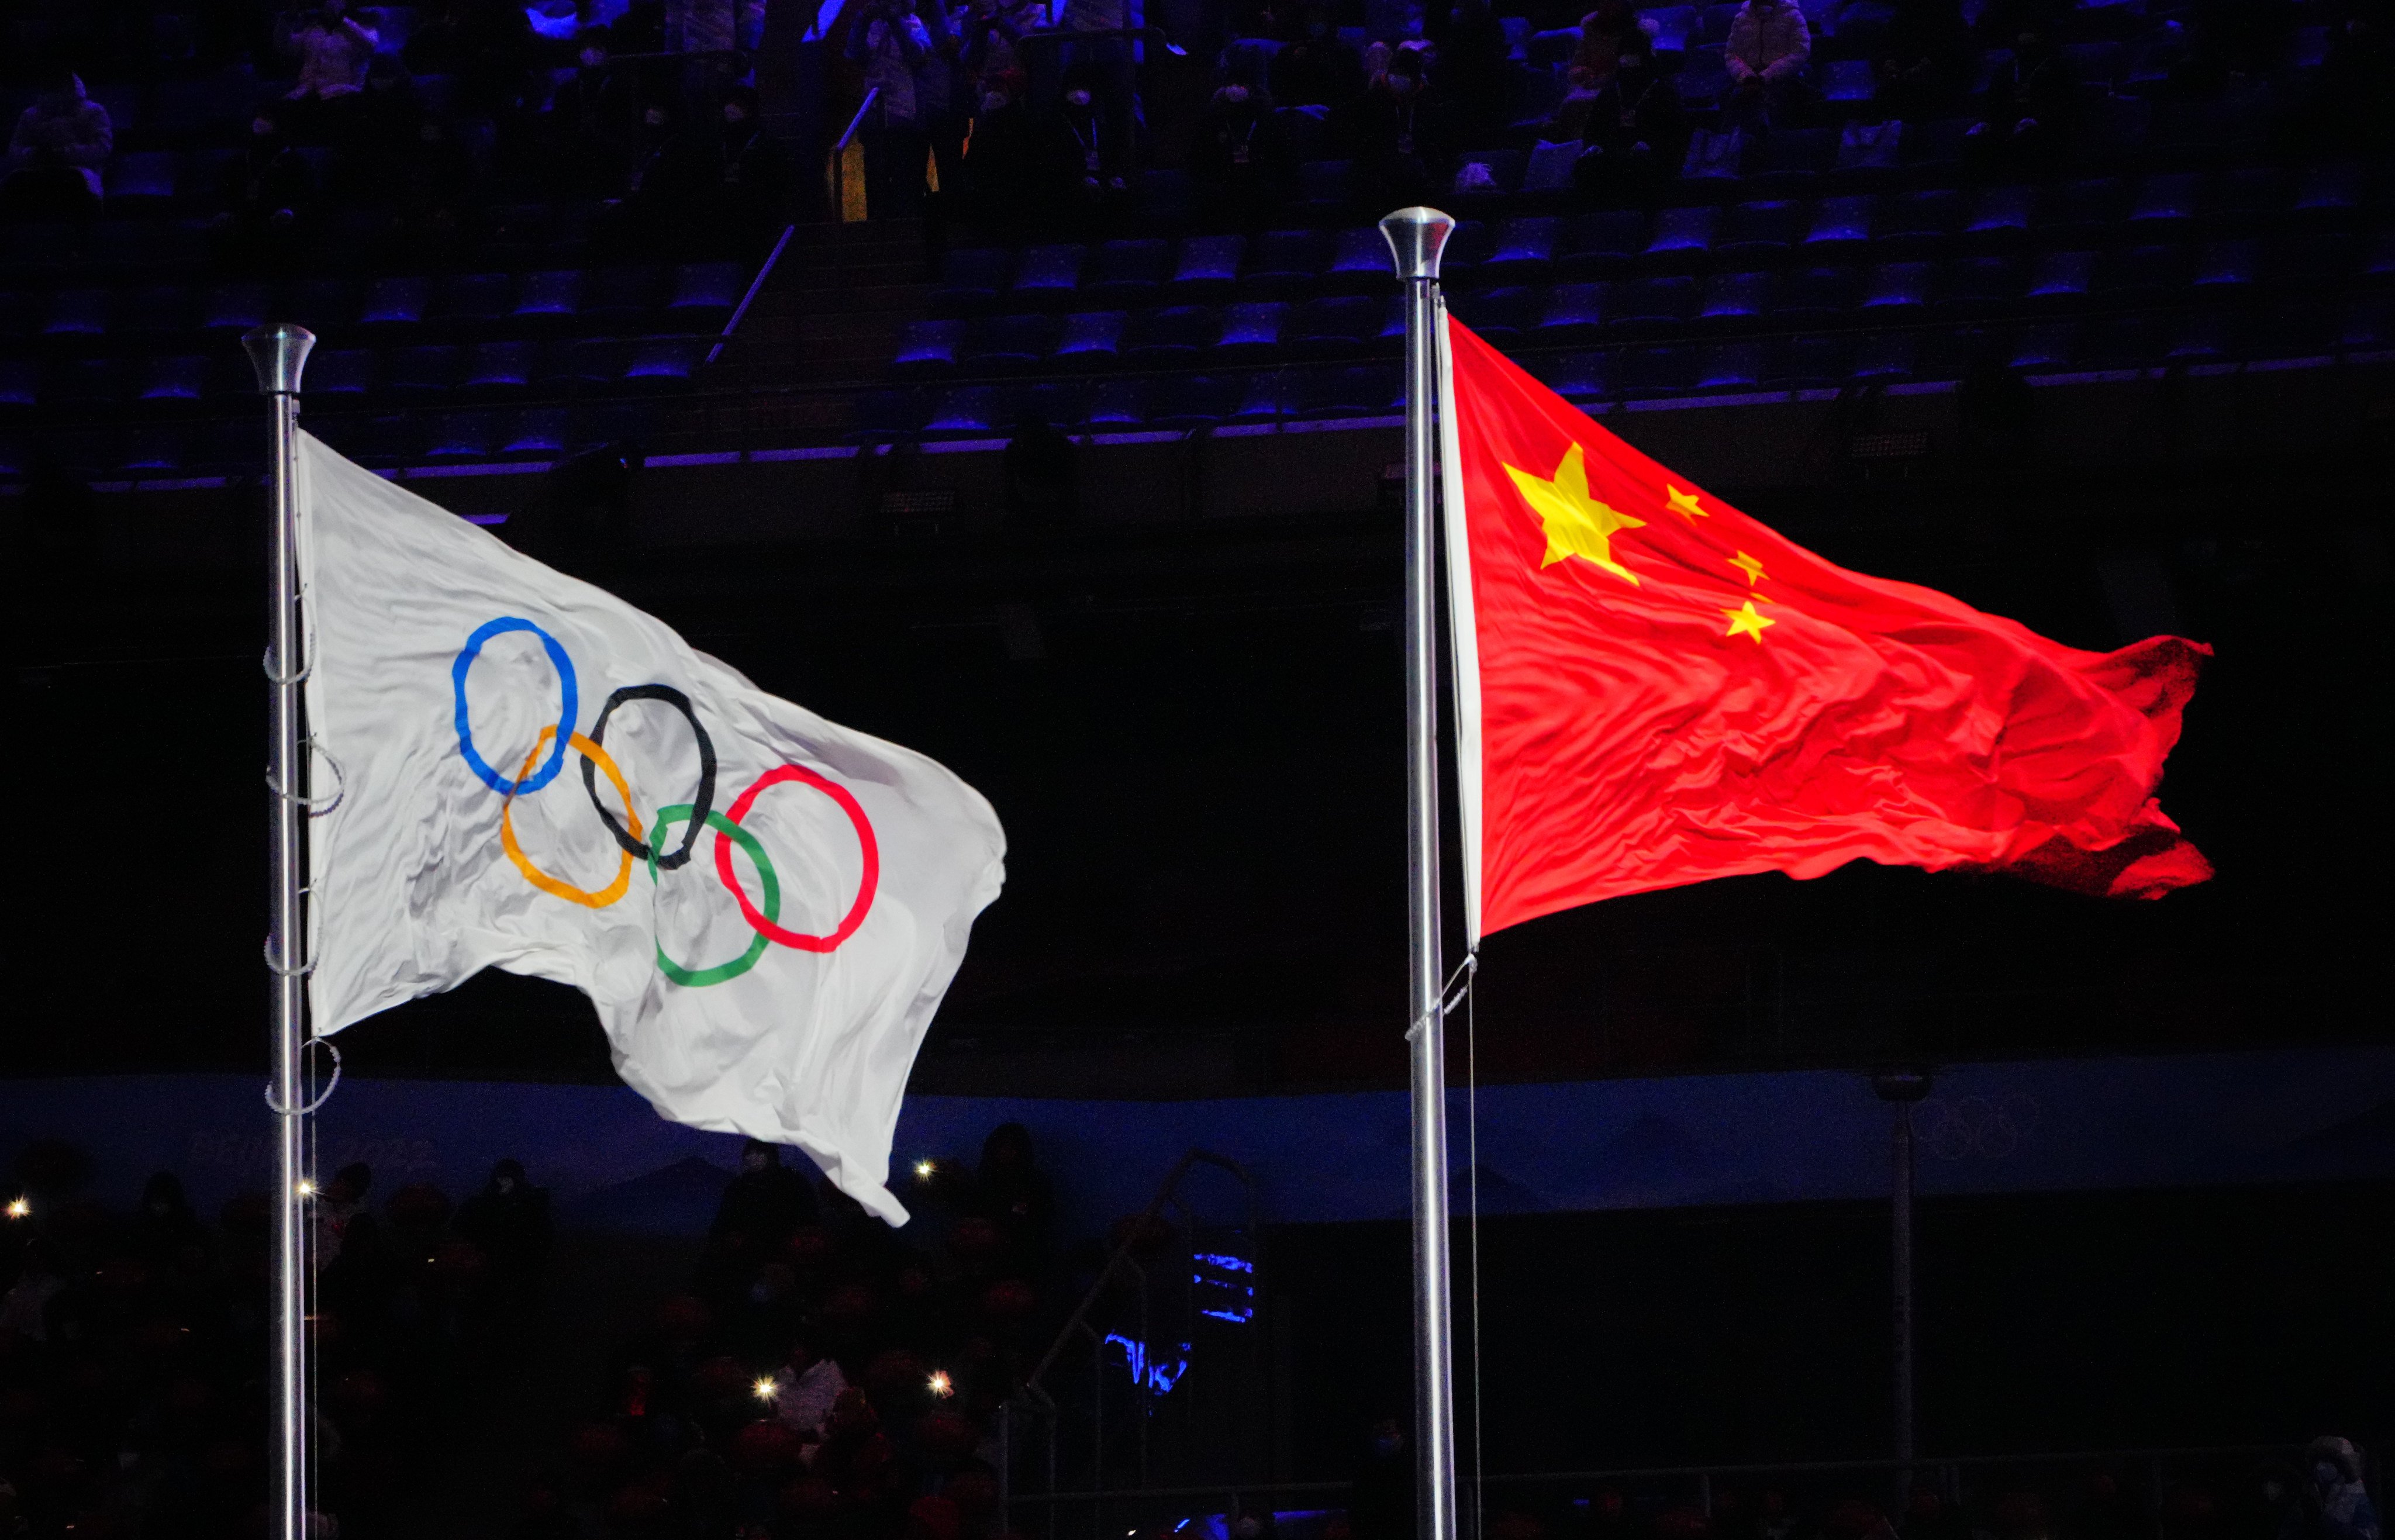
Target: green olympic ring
(700,977)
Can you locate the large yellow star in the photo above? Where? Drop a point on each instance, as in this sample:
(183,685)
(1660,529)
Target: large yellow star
(1747,621)
(1749,566)
(1684,504)
(1576,524)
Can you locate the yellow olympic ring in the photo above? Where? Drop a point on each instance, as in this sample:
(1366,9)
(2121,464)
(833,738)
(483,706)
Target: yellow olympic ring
(533,875)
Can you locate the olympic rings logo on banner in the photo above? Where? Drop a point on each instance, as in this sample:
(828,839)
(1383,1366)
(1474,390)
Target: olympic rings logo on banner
(546,756)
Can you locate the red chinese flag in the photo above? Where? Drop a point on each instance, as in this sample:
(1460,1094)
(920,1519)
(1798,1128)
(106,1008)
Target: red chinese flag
(1654,689)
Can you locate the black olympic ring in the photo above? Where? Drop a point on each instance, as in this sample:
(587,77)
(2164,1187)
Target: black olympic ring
(700,803)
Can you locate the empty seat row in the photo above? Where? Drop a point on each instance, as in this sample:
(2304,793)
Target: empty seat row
(232,447)
(697,298)
(1871,294)
(491,370)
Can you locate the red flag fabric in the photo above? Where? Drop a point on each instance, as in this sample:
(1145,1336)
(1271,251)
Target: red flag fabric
(1654,689)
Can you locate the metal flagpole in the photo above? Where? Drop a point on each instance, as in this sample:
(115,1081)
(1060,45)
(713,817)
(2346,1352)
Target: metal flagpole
(279,354)
(1416,236)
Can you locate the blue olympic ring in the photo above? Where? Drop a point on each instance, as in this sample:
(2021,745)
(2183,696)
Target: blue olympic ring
(568,710)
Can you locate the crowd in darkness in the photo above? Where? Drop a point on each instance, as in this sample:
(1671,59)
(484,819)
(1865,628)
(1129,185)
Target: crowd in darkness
(413,141)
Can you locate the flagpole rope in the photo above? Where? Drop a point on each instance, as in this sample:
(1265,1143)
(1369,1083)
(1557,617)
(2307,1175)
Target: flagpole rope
(1472,1152)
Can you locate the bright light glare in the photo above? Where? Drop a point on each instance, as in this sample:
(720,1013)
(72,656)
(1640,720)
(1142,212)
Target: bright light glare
(941,1384)
(924,1168)
(307,1190)
(20,1207)
(766,1388)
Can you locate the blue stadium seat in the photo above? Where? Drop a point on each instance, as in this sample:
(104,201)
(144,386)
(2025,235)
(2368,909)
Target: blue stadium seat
(1585,376)
(1653,304)
(1192,401)
(1807,362)
(1793,160)
(2132,341)
(1573,314)
(1467,247)
(1057,403)
(972,279)
(426,370)
(1392,337)
(1167,338)
(152,452)
(325,306)
(1982,286)
(2331,190)
(1332,328)
(1008,344)
(1250,330)
(1896,290)
(550,297)
(2049,347)
(2369,322)
(395,304)
(1284,262)
(2168,202)
(1759,230)
(1127,273)
(1324,189)
(1812,295)
(77,313)
(174,378)
(1116,405)
(2111,130)
(20,384)
(1845,82)
(341,372)
(1714,23)
(2377,262)
(1918,224)
(2203,336)
(156,311)
(928,347)
(542,430)
(1500,316)
(2141,275)
(2001,214)
(1673,28)
(497,368)
(2090,204)
(234,307)
(965,411)
(1840,225)
(2097,65)
(1550,48)
(463,435)
(2224,266)
(1681,236)
(1525,251)
(1734,299)
(1359,262)
(1207,266)
(1359,391)
(142,179)
(703,295)
(1645,373)
(1091,339)
(620,297)
(1304,132)
(1552,166)
(1600,246)
(1728,366)
(1261,396)
(1046,277)
(1935,149)
(2305,328)
(885,416)
(2060,276)
(1880,357)
(1702,78)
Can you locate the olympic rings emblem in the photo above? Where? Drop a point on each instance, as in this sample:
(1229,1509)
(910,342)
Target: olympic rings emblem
(546,756)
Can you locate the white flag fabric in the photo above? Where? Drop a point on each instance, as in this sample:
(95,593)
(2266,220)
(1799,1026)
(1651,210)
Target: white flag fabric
(765,907)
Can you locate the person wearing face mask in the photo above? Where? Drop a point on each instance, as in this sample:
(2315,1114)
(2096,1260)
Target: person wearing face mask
(1394,134)
(588,127)
(56,153)
(2336,1505)
(1087,144)
(889,41)
(1768,54)
(764,1202)
(1636,133)
(1237,157)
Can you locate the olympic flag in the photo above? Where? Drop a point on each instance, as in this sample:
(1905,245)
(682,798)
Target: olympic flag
(764,907)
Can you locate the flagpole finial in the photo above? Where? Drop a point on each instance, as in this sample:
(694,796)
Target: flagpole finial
(1416,236)
(279,353)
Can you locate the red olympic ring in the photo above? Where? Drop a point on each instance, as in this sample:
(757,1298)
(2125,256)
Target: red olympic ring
(864,889)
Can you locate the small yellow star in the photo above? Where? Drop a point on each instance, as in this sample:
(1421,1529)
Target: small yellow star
(1747,621)
(1684,504)
(1576,524)
(1749,566)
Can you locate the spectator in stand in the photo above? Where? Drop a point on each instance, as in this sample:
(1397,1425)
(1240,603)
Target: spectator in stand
(1569,120)
(2029,103)
(2337,1507)
(331,48)
(764,1202)
(1238,158)
(1769,50)
(268,191)
(1317,68)
(1473,74)
(1096,140)
(889,41)
(1006,161)
(811,1384)
(753,191)
(508,1220)
(56,153)
(592,121)
(1396,132)
(1381,1506)
(940,102)
(1603,34)
(1637,130)
(1927,63)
